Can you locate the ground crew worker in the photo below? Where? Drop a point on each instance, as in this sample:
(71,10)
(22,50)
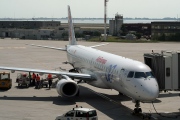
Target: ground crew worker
(38,81)
(50,80)
(33,79)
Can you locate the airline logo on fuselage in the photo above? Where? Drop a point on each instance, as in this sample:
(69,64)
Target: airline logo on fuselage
(101,60)
(109,73)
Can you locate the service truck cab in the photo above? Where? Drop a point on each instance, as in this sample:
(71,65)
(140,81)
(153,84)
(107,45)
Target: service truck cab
(79,113)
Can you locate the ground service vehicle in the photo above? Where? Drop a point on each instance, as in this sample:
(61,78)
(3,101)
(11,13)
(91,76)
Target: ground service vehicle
(5,80)
(79,113)
(23,79)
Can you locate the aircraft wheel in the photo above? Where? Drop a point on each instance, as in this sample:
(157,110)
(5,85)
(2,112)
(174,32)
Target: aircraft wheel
(139,110)
(121,93)
(10,86)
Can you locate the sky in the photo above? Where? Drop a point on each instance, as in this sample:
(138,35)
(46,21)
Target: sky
(89,8)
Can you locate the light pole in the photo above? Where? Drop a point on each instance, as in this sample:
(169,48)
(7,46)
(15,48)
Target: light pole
(105,15)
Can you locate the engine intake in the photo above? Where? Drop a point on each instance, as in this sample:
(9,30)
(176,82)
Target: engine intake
(67,87)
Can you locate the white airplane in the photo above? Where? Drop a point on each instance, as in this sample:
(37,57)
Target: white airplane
(103,70)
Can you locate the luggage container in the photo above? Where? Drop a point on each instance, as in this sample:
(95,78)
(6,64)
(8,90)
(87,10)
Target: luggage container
(23,79)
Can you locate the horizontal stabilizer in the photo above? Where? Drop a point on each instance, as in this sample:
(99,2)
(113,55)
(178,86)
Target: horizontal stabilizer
(62,49)
(98,45)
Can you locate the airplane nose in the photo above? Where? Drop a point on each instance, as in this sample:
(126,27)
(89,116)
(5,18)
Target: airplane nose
(152,90)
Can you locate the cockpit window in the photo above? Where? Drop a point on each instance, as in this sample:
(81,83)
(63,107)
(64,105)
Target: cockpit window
(131,74)
(140,75)
(149,74)
(144,75)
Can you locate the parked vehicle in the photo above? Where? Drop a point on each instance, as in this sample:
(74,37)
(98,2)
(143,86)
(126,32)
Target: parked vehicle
(23,79)
(5,80)
(79,113)
(43,83)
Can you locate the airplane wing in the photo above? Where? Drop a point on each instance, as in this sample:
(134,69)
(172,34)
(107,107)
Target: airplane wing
(98,45)
(74,75)
(62,49)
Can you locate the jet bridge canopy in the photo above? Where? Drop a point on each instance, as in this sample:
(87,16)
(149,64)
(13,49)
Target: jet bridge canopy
(166,68)
(156,62)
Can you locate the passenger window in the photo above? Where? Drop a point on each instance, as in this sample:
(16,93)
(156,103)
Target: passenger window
(149,74)
(140,75)
(4,76)
(92,113)
(70,114)
(131,74)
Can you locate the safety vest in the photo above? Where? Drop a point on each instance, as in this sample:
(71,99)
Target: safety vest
(49,76)
(33,76)
(37,78)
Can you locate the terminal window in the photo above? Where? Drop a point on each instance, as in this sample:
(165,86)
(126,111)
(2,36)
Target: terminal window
(167,72)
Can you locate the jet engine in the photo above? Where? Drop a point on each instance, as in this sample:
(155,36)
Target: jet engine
(67,87)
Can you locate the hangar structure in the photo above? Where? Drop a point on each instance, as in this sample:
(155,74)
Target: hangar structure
(30,29)
(38,30)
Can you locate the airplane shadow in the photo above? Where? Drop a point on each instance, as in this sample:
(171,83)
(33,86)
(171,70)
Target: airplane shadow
(156,101)
(114,110)
(4,90)
(56,100)
(169,95)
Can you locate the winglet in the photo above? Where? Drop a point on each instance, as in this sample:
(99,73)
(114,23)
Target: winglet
(72,39)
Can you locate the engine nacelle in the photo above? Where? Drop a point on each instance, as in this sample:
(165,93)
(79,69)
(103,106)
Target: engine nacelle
(67,87)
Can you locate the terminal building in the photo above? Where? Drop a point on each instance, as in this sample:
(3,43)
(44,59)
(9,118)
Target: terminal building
(30,29)
(44,29)
(29,24)
(57,30)
(164,28)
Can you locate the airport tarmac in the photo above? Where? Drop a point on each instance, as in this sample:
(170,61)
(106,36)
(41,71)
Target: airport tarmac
(44,104)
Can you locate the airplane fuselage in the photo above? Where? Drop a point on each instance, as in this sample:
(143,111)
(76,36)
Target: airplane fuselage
(113,72)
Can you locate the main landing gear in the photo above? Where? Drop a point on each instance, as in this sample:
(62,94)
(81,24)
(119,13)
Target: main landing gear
(137,108)
(138,111)
(75,71)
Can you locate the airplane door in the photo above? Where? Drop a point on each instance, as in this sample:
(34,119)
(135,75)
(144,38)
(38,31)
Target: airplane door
(122,74)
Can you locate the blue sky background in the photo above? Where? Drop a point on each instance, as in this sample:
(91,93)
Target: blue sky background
(89,8)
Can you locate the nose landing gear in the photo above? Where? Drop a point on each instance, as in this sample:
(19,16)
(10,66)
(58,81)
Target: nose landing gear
(137,108)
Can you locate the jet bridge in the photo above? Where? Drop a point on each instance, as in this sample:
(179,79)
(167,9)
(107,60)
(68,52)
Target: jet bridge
(166,68)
